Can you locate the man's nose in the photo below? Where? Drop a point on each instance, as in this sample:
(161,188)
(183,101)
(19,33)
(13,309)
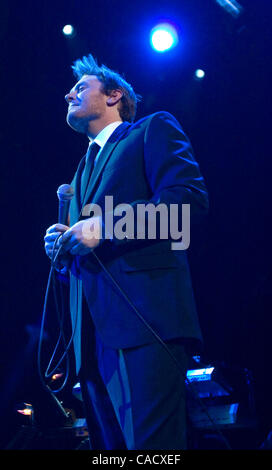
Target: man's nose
(69,97)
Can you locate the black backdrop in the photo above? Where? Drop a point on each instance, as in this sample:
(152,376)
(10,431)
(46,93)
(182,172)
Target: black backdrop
(227,117)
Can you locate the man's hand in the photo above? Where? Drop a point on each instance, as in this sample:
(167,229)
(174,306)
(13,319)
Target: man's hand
(82,237)
(52,233)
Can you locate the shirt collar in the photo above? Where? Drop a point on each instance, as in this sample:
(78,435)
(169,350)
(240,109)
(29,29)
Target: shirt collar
(105,134)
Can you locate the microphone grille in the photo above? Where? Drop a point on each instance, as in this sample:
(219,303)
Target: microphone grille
(65,192)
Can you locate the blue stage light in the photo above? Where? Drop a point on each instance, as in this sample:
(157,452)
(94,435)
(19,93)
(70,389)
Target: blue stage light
(68,30)
(163,37)
(197,375)
(199,74)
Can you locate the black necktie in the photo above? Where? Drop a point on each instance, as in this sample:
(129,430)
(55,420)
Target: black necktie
(89,164)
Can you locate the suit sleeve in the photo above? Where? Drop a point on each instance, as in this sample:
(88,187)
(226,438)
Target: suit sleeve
(172,172)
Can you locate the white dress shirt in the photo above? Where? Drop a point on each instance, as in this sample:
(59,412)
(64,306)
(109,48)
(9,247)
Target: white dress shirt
(104,135)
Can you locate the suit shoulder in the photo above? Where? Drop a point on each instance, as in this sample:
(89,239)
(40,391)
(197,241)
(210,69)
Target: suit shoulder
(155,116)
(160,118)
(161,123)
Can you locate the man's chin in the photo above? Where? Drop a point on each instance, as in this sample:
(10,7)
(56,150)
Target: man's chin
(75,123)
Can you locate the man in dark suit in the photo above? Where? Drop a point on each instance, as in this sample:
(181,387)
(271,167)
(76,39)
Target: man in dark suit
(132,304)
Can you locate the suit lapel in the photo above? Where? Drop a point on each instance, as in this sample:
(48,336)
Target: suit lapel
(103,159)
(75,207)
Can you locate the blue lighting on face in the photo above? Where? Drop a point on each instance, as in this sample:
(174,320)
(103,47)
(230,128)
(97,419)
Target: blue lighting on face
(68,30)
(163,37)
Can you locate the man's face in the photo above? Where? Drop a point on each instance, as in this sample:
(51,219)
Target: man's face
(87,102)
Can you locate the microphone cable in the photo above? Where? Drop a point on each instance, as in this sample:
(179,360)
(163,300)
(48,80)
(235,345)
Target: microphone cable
(163,344)
(47,374)
(142,319)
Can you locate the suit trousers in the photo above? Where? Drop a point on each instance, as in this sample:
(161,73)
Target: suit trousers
(134,398)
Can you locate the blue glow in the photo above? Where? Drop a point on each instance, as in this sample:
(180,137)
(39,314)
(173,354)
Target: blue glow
(68,30)
(163,37)
(199,73)
(200,374)
(233,408)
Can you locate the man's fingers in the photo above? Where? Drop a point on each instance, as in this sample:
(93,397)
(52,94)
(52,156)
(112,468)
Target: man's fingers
(57,228)
(51,237)
(80,239)
(66,236)
(52,243)
(68,240)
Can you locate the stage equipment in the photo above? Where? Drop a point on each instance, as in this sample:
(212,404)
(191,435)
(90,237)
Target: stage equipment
(227,395)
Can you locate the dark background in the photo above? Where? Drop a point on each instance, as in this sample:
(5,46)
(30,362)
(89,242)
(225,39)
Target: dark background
(227,117)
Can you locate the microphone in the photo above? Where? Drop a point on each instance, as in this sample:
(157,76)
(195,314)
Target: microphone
(65,194)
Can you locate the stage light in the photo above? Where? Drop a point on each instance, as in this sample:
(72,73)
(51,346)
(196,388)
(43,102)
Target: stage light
(25,412)
(56,376)
(163,37)
(26,409)
(231,6)
(200,374)
(68,30)
(199,74)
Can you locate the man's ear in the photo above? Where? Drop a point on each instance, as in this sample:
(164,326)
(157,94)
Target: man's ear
(114,97)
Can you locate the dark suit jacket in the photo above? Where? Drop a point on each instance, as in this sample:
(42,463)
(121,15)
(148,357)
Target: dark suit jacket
(147,161)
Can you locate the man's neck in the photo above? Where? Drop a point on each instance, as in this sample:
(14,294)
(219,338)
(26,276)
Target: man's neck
(105,134)
(95,127)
